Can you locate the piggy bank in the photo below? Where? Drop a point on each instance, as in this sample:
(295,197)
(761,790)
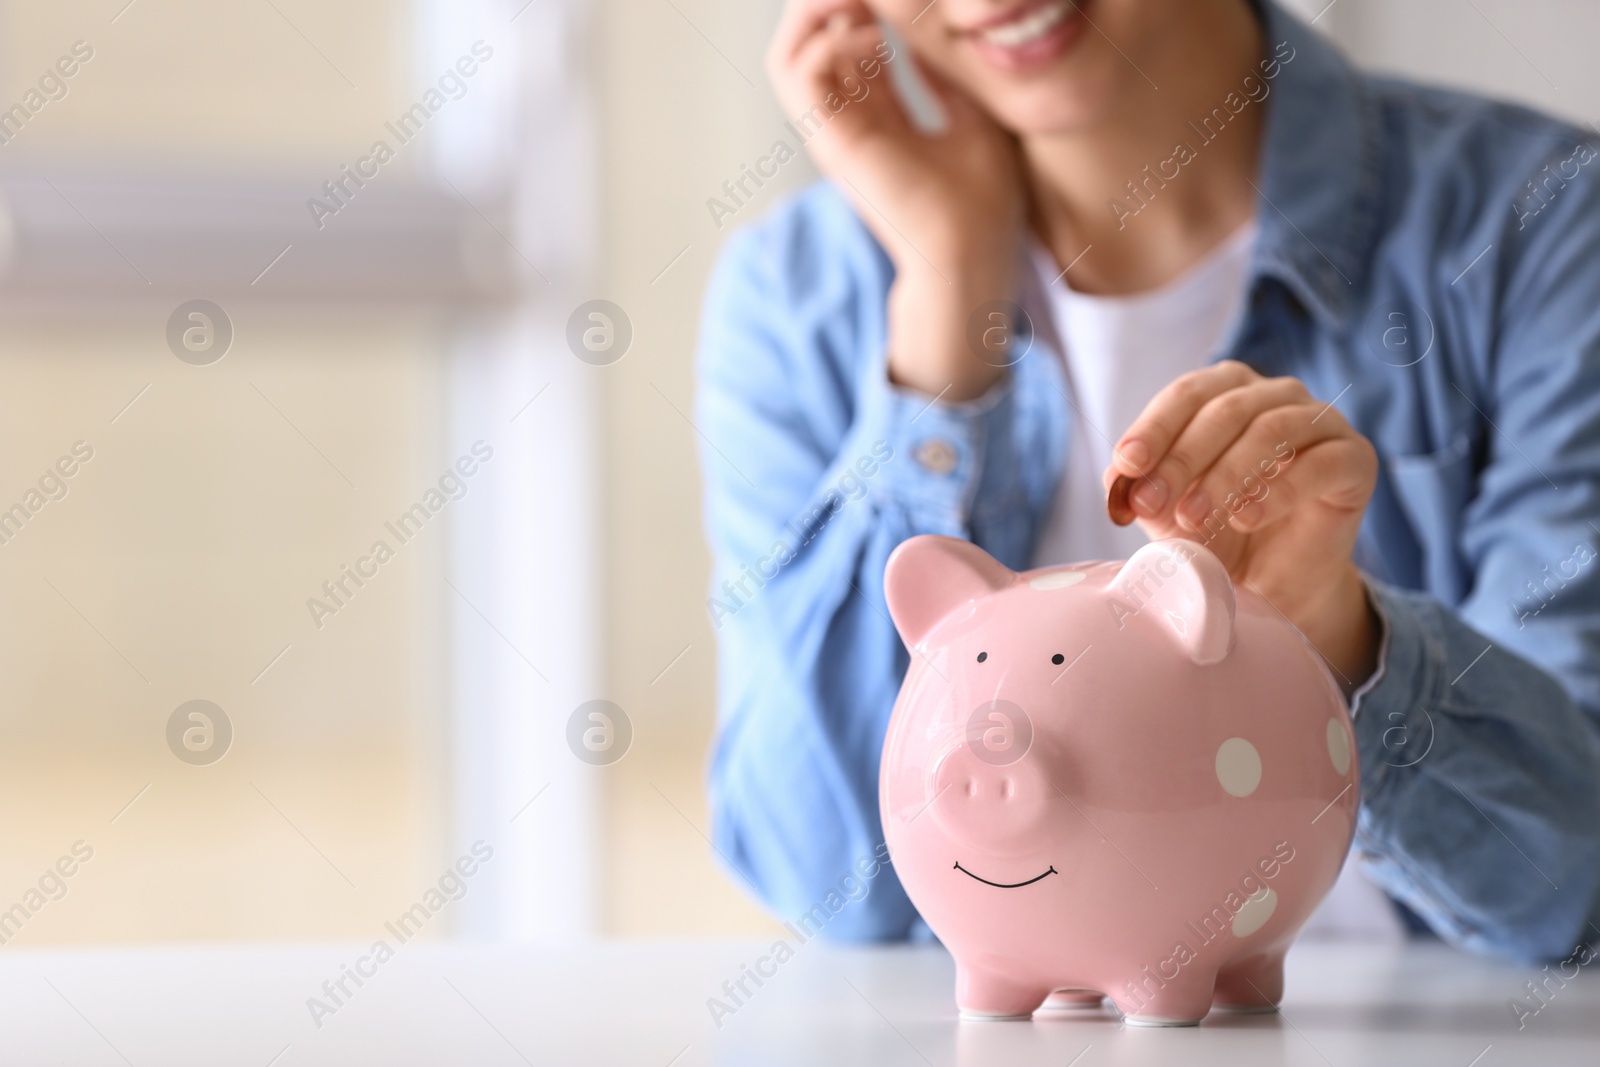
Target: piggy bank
(1124,780)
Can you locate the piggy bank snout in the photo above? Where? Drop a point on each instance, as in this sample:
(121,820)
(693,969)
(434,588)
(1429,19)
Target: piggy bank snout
(988,805)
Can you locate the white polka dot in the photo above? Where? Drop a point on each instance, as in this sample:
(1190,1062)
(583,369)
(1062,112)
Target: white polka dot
(1056,580)
(1238,766)
(1338,746)
(1256,911)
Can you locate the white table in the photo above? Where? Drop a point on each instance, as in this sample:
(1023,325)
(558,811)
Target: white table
(645,1005)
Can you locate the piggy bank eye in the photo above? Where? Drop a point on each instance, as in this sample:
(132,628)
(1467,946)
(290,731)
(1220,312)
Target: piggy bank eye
(982,656)
(1058,659)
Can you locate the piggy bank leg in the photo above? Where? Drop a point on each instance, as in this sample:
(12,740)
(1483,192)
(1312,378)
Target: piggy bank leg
(1251,985)
(1180,1001)
(985,995)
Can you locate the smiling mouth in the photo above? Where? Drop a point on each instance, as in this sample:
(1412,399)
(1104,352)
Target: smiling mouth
(1025,24)
(1006,885)
(1029,37)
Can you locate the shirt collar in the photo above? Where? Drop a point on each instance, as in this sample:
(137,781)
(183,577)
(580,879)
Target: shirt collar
(1318,182)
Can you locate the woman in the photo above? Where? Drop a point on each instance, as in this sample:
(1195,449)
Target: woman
(1166,240)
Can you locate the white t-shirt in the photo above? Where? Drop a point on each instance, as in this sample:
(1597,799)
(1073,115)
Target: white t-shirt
(1119,352)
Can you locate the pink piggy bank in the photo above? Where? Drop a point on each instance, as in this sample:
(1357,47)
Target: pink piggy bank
(1122,780)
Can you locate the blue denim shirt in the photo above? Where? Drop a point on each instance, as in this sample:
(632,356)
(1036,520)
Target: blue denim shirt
(1429,262)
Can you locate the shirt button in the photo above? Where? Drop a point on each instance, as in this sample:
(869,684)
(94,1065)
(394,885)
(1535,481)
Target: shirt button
(937,455)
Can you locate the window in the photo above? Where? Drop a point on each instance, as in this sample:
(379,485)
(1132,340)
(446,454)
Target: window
(379,361)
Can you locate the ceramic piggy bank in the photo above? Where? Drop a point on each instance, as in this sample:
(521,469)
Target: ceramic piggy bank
(1106,779)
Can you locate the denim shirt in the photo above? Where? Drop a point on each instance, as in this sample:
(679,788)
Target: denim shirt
(1428,262)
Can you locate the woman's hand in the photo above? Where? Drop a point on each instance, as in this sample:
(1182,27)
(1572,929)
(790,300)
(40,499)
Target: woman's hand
(948,208)
(1275,483)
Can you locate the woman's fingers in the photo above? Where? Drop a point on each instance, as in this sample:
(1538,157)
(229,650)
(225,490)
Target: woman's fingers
(1289,456)
(1159,424)
(815,66)
(829,84)
(804,19)
(1213,450)
(1338,472)
(1215,425)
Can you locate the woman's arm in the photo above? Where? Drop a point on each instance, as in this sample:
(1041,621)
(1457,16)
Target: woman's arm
(947,209)
(1480,781)
(1493,833)
(843,412)
(816,467)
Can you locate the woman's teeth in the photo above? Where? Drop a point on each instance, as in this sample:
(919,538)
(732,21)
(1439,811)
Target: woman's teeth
(1030,28)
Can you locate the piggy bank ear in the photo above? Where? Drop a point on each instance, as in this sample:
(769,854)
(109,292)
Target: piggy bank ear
(1186,590)
(929,576)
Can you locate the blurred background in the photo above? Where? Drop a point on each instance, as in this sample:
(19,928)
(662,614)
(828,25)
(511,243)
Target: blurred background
(261,346)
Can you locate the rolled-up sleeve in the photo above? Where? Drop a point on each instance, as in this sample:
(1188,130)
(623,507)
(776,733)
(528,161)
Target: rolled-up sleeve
(1481,805)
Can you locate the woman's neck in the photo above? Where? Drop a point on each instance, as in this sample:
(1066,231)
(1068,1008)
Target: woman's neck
(1154,186)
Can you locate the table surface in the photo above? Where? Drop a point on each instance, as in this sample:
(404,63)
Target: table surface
(645,1004)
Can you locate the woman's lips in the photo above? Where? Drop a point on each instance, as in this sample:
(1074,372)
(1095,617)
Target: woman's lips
(1036,35)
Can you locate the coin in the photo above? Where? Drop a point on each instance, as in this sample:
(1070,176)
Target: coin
(1117,503)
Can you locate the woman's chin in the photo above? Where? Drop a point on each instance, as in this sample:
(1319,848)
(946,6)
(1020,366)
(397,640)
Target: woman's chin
(1049,108)
(1075,93)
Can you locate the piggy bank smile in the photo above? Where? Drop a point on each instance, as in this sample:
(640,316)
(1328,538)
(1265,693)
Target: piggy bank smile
(1006,885)
(1157,765)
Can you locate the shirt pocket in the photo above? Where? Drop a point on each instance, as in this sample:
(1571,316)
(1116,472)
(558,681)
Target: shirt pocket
(1433,490)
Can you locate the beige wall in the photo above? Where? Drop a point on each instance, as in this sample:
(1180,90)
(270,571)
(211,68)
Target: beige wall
(176,567)
(194,81)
